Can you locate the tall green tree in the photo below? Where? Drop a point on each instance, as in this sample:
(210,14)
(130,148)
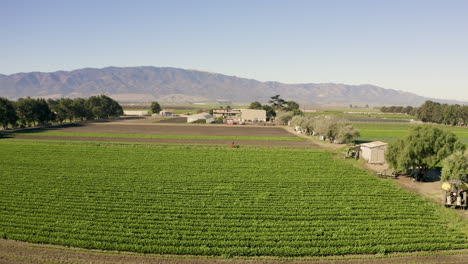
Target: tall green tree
(270,112)
(31,111)
(79,109)
(102,107)
(8,114)
(456,167)
(155,108)
(277,102)
(42,111)
(422,149)
(255,105)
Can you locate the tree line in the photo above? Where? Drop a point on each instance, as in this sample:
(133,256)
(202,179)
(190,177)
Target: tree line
(27,112)
(409,110)
(443,113)
(332,128)
(434,112)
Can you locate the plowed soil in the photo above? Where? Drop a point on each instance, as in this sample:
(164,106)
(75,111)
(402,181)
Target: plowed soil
(22,252)
(148,127)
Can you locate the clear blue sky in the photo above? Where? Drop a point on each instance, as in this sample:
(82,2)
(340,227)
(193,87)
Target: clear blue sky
(416,46)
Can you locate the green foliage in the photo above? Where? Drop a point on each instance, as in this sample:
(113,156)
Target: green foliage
(390,132)
(291,106)
(102,107)
(62,109)
(209,201)
(8,114)
(270,112)
(31,111)
(443,113)
(424,148)
(409,110)
(282,118)
(255,105)
(155,108)
(277,102)
(297,112)
(456,167)
(346,133)
(332,127)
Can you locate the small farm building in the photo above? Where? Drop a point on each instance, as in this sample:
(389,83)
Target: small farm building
(374,152)
(166,113)
(236,116)
(136,113)
(192,118)
(227,113)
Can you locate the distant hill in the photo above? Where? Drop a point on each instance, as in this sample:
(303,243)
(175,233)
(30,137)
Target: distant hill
(174,85)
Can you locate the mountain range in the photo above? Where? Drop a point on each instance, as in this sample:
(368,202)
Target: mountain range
(175,85)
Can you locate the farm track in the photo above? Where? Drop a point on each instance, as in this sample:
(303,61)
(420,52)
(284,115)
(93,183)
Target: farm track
(16,252)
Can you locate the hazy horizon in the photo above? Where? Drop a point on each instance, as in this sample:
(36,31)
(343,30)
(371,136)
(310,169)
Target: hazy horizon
(413,46)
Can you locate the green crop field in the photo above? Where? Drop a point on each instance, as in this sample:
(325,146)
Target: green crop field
(389,132)
(116,135)
(365,113)
(200,200)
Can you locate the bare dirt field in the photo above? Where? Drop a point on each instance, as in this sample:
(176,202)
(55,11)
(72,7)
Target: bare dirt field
(23,252)
(147,126)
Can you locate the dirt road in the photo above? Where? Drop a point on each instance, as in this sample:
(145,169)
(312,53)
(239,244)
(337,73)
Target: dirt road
(22,252)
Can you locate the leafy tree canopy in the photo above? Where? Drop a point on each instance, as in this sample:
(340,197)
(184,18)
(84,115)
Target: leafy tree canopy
(155,108)
(7,112)
(270,112)
(456,167)
(255,105)
(277,102)
(422,149)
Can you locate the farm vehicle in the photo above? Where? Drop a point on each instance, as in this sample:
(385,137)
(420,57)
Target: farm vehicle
(456,194)
(353,152)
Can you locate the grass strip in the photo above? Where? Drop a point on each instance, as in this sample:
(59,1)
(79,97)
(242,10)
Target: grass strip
(114,135)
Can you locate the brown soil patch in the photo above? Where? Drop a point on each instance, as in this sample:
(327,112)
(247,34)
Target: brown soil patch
(147,126)
(23,252)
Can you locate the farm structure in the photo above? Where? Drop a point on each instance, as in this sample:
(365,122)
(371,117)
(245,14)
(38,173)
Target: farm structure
(227,113)
(241,115)
(192,118)
(252,115)
(136,113)
(374,152)
(166,113)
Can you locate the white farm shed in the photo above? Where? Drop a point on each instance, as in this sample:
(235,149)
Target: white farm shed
(374,152)
(192,118)
(136,113)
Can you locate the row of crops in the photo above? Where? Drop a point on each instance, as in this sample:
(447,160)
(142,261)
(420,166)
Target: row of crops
(390,132)
(208,201)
